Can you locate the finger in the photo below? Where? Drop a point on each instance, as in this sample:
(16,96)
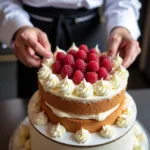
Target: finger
(36,46)
(28,60)
(136,54)
(114,44)
(43,39)
(30,51)
(130,53)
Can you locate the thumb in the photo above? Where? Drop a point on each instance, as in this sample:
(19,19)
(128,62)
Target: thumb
(114,43)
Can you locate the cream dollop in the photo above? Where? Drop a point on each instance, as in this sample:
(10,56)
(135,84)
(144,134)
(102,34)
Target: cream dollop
(127,111)
(115,81)
(24,131)
(123,121)
(136,144)
(102,88)
(73,47)
(41,119)
(82,135)
(107,131)
(66,86)
(57,131)
(122,72)
(98,50)
(84,89)
(51,82)
(48,61)
(27,145)
(117,61)
(44,72)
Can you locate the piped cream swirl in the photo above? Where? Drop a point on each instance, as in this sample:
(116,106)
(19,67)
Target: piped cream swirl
(122,72)
(115,81)
(102,88)
(44,72)
(57,131)
(82,135)
(73,47)
(117,61)
(50,82)
(66,86)
(41,119)
(84,89)
(123,121)
(48,61)
(107,131)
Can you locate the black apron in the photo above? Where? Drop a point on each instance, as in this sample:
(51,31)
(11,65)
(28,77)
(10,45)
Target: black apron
(63,27)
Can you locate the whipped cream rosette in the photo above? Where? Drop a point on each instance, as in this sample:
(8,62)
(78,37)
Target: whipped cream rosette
(82,135)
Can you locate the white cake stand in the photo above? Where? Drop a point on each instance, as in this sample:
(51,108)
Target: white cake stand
(146,143)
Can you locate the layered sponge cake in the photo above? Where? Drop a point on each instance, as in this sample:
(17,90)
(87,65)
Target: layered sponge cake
(82,88)
(81,96)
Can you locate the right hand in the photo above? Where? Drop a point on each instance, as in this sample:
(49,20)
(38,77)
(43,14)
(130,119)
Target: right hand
(28,42)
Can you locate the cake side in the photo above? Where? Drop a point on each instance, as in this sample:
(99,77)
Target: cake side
(78,107)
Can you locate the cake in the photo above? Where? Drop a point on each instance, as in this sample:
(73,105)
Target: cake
(82,103)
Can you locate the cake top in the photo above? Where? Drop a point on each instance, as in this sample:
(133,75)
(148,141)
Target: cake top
(83,74)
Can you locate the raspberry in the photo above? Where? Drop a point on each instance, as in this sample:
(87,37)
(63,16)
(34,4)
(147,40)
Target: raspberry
(60,56)
(91,77)
(80,65)
(93,51)
(93,66)
(102,73)
(106,63)
(84,48)
(73,52)
(67,71)
(92,57)
(78,77)
(81,55)
(68,60)
(57,66)
(102,57)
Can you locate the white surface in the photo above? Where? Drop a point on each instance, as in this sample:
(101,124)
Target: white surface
(26,122)
(95,137)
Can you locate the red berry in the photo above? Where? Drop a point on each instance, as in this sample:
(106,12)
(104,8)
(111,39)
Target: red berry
(80,65)
(68,60)
(106,63)
(67,71)
(81,55)
(78,77)
(91,77)
(102,73)
(60,56)
(92,57)
(93,66)
(73,52)
(57,66)
(102,57)
(84,48)
(93,51)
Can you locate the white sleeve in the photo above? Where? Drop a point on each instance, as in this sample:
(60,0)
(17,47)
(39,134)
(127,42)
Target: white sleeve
(124,13)
(12,17)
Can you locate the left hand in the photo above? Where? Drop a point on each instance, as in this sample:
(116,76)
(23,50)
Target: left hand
(121,41)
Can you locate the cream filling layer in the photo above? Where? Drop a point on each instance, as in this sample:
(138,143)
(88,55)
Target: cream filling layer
(98,117)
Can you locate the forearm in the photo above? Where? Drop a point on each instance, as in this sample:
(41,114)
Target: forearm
(123,13)
(12,17)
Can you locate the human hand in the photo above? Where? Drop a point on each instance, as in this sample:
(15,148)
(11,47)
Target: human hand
(30,42)
(121,41)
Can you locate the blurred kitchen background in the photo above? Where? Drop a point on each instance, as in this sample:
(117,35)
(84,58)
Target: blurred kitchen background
(139,71)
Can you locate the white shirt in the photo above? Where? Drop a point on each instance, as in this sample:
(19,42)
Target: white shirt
(124,13)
